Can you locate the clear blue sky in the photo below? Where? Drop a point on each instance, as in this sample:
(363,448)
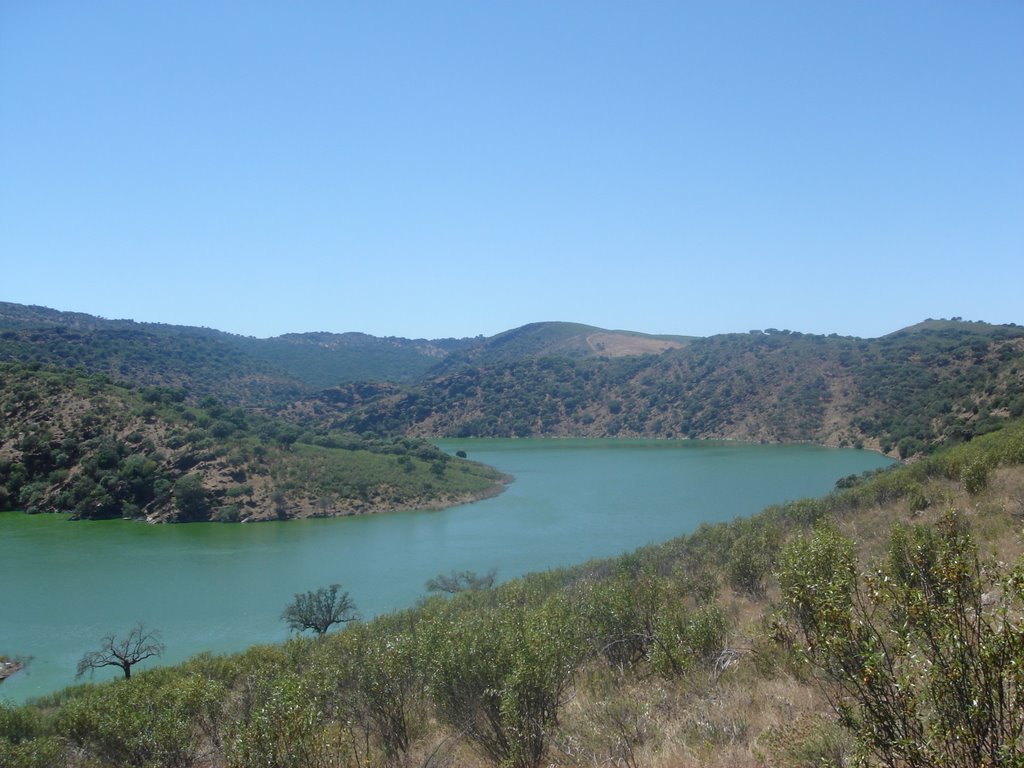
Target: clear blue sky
(430,169)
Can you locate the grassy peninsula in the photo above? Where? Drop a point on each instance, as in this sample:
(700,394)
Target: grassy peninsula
(82,444)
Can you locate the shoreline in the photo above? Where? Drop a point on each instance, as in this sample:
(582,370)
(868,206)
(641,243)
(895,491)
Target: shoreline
(379,506)
(9,667)
(360,509)
(369,508)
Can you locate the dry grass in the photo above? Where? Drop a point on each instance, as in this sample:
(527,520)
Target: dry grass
(727,721)
(613,344)
(998,515)
(760,711)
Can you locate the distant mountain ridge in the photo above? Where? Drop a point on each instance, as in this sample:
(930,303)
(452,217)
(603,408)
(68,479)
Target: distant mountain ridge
(902,394)
(932,382)
(238,369)
(282,367)
(560,339)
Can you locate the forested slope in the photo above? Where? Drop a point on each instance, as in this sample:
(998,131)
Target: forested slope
(199,361)
(82,444)
(241,370)
(902,392)
(939,381)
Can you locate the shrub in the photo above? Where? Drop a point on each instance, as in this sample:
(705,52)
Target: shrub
(919,666)
(619,613)
(684,641)
(975,476)
(752,557)
(152,719)
(500,675)
(279,719)
(227,513)
(24,742)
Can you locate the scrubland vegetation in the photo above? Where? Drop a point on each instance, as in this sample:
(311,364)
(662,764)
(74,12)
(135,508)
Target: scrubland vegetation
(82,444)
(941,382)
(882,623)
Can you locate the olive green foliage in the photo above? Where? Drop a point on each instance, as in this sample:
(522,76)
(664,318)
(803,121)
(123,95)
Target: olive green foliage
(688,640)
(752,556)
(909,391)
(969,464)
(232,368)
(922,656)
(24,741)
(326,359)
(410,474)
(637,618)
(941,381)
(84,445)
(499,675)
(208,362)
(155,719)
(621,612)
(190,498)
(385,682)
(282,719)
(319,610)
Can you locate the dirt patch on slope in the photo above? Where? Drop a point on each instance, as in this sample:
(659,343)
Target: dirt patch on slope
(624,344)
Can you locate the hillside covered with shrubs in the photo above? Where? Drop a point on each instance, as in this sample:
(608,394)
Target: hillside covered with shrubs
(940,382)
(71,442)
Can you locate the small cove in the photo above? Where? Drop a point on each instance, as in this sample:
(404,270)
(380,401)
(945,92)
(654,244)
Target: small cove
(221,588)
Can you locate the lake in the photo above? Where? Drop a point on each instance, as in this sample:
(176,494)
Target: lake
(221,587)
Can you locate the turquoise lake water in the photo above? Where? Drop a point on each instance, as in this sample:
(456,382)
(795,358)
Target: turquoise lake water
(221,587)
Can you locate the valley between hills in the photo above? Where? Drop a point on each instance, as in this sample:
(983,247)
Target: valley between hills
(107,417)
(881,624)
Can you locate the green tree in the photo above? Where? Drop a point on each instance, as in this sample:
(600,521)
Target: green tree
(190,498)
(319,610)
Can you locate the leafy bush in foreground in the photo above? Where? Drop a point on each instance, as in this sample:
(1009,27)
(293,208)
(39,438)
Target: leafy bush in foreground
(500,676)
(923,657)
